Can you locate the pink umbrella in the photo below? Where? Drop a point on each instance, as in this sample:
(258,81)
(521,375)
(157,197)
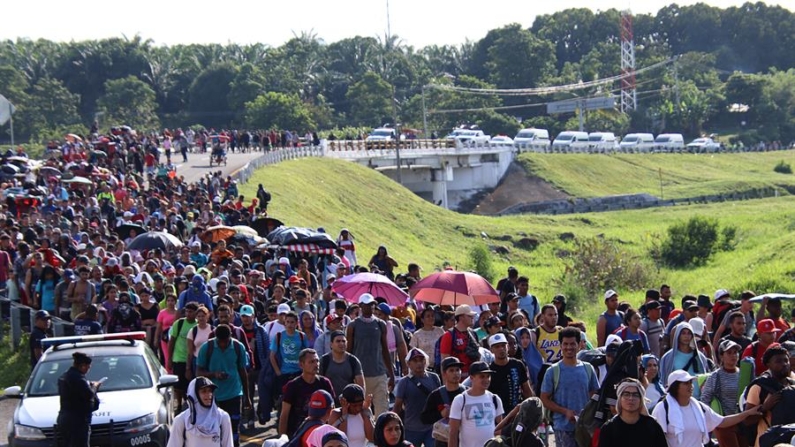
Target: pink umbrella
(351,287)
(454,288)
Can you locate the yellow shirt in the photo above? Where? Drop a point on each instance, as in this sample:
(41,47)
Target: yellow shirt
(548,344)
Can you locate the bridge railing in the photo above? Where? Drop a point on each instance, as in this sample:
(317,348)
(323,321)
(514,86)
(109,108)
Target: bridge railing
(22,319)
(276,156)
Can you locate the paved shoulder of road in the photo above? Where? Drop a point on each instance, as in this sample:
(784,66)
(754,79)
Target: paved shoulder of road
(198,165)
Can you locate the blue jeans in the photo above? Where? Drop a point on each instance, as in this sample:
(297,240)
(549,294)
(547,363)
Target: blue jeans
(565,439)
(265,391)
(418,438)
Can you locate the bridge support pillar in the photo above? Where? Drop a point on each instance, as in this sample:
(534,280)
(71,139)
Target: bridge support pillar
(439,181)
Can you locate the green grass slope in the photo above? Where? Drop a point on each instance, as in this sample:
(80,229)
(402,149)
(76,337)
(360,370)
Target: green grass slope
(336,194)
(683,175)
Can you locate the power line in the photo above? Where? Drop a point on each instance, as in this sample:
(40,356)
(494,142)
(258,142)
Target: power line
(547,90)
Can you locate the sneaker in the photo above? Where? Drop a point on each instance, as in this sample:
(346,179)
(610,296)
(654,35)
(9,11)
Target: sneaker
(263,420)
(250,425)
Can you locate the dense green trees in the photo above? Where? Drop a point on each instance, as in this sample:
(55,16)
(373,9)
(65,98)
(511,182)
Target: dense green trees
(735,56)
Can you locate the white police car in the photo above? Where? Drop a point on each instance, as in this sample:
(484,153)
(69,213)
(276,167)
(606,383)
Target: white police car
(135,400)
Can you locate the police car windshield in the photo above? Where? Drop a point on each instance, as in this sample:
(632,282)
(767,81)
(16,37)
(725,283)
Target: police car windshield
(127,372)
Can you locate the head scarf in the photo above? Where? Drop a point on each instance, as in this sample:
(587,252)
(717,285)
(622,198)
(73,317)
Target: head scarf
(530,354)
(203,422)
(626,384)
(644,361)
(378,435)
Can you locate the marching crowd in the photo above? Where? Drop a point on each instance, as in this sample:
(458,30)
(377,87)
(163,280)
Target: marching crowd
(255,332)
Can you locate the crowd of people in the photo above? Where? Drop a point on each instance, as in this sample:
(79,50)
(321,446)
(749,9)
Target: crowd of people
(256,333)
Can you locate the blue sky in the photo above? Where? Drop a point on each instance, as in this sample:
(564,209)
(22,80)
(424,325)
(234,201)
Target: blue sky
(417,22)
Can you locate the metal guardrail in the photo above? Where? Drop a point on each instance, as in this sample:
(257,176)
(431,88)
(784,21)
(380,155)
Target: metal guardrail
(21,320)
(276,156)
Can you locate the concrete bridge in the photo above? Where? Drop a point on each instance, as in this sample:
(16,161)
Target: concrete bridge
(443,172)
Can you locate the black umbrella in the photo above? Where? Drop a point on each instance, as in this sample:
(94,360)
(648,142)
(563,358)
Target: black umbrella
(154,239)
(266,225)
(124,230)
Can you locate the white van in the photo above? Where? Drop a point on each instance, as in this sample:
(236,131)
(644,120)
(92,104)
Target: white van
(532,140)
(669,142)
(570,141)
(602,142)
(637,142)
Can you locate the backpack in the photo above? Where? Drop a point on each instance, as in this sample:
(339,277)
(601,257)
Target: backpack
(307,426)
(596,357)
(238,353)
(526,422)
(437,356)
(325,361)
(471,350)
(720,310)
(777,434)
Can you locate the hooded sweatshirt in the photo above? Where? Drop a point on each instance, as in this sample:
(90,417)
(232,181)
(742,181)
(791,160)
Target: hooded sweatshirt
(200,426)
(675,359)
(196,292)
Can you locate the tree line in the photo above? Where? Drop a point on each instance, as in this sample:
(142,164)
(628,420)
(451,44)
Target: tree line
(734,69)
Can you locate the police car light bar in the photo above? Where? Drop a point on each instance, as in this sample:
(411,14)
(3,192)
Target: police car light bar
(58,341)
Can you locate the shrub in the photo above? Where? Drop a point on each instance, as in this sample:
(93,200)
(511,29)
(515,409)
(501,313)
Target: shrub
(783,168)
(692,243)
(598,264)
(480,261)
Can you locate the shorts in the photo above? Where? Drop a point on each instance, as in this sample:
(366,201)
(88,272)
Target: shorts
(179,369)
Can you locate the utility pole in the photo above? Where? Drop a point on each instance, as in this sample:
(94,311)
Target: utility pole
(397,136)
(676,84)
(424,115)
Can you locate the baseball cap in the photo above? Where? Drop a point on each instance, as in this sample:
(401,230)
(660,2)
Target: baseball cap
(698,327)
(284,261)
(497,339)
(384,307)
(203,382)
(720,293)
(189,270)
(414,353)
(493,321)
(559,299)
(42,315)
(333,317)
(294,280)
(334,435)
(450,362)
(195,244)
(283,308)
(725,345)
(69,273)
(353,393)
(247,311)
(766,326)
(319,403)
(479,368)
(464,309)
(690,305)
(366,298)
(610,294)
(651,305)
(679,376)
(612,339)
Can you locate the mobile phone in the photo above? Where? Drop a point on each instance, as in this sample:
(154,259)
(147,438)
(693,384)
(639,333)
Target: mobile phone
(102,380)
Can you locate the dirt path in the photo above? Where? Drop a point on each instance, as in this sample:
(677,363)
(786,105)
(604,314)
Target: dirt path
(517,186)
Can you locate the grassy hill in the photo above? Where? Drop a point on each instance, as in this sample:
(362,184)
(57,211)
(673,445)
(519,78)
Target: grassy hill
(335,194)
(683,175)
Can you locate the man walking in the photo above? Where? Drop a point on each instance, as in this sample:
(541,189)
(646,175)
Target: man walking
(476,412)
(567,387)
(437,406)
(411,392)
(367,340)
(339,366)
(298,392)
(223,360)
(178,349)
(510,378)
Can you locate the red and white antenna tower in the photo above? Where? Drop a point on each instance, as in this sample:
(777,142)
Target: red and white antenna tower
(628,91)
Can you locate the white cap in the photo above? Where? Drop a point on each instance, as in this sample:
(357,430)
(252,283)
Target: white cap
(128,214)
(366,298)
(609,294)
(679,376)
(283,308)
(213,283)
(698,327)
(284,260)
(464,309)
(196,244)
(721,293)
(613,338)
(189,270)
(497,339)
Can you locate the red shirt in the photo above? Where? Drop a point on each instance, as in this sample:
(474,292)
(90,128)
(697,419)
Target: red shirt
(759,365)
(456,348)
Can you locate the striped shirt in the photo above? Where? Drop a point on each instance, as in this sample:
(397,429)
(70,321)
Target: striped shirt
(725,386)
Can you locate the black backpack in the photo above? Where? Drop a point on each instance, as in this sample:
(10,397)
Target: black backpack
(777,434)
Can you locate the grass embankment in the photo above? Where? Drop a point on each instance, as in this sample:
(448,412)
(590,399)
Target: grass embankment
(14,364)
(335,194)
(683,175)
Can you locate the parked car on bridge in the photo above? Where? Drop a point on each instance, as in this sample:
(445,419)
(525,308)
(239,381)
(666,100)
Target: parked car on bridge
(532,139)
(501,141)
(382,134)
(570,141)
(637,142)
(669,142)
(602,142)
(704,146)
(469,137)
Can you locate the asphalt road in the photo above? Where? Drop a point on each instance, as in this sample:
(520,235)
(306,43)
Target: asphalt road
(198,165)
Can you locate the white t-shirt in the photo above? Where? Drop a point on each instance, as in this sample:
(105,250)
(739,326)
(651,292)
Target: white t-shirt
(692,435)
(477,415)
(202,335)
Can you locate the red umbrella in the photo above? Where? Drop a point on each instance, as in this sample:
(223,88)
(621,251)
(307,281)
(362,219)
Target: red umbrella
(351,287)
(454,288)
